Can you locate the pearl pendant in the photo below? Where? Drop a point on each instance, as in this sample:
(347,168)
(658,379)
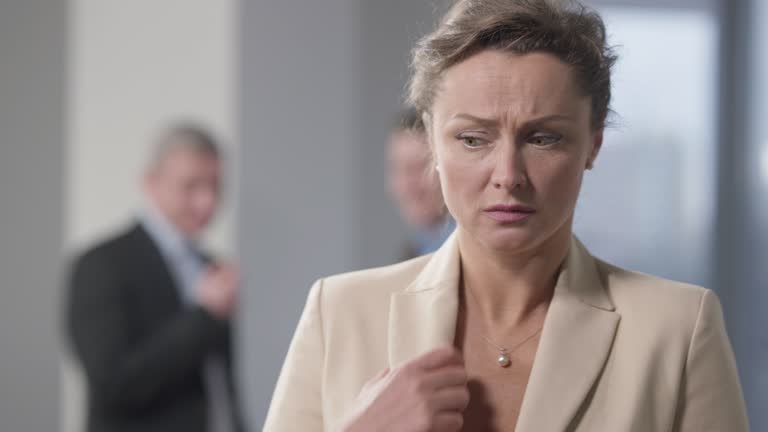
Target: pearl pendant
(503,359)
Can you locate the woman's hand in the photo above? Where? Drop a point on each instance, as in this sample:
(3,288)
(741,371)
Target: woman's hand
(428,394)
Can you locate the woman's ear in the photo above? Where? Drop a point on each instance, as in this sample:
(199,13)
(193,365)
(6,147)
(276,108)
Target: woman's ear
(597,144)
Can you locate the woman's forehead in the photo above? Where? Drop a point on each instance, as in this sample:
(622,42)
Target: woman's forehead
(492,83)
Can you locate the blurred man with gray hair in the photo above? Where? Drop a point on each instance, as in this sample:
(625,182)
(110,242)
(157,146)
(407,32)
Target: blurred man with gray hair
(149,312)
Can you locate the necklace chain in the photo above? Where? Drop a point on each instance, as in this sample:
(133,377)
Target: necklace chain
(515,347)
(504,352)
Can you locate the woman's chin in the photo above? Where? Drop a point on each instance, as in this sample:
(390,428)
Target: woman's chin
(510,241)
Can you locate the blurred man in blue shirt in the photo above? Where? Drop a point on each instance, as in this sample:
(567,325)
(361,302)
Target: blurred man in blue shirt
(415,188)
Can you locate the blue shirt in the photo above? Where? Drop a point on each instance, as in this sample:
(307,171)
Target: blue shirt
(427,240)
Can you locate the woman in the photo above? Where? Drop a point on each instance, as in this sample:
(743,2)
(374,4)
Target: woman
(512,324)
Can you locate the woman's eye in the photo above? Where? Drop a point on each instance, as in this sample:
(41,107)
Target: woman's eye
(543,140)
(472,142)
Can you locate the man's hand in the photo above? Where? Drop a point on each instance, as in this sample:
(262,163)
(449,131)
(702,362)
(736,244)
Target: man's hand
(218,288)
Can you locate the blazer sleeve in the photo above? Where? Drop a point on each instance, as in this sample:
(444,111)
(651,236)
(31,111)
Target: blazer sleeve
(297,400)
(125,375)
(711,397)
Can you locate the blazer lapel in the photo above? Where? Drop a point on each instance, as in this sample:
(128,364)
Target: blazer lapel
(423,316)
(574,346)
(575,343)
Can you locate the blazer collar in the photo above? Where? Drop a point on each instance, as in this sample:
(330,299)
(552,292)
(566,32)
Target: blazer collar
(575,342)
(423,316)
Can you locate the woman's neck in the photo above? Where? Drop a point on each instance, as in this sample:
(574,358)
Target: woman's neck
(505,287)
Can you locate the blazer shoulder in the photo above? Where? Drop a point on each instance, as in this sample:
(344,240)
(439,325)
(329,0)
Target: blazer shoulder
(112,250)
(372,284)
(653,298)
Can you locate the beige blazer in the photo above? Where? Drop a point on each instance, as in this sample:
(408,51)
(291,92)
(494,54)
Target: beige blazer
(619,352)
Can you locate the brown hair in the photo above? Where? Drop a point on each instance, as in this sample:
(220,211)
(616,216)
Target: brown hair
(566,29)
(408,120)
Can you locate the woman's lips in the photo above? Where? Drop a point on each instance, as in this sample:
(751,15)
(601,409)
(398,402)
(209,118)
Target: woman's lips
(509,213)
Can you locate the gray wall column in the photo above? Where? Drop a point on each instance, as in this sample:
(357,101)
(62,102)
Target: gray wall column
(742,261)
(32,48)
(322,82)
(300,73)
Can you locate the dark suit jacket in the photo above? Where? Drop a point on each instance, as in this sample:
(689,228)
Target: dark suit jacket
(142,350)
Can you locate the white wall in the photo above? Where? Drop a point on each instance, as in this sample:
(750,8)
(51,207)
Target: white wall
(134,67)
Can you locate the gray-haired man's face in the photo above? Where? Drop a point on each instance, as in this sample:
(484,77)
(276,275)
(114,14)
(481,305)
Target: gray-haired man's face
(185,187)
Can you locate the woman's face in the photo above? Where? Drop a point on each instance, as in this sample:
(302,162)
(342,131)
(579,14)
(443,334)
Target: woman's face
(512,137)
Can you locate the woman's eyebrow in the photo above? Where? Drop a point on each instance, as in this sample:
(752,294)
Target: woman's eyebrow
(494,122)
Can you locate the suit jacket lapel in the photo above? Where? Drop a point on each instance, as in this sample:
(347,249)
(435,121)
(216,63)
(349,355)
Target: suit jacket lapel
(158,281)
(575,344)
(423,316)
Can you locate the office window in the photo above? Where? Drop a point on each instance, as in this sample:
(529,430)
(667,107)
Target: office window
(649,203)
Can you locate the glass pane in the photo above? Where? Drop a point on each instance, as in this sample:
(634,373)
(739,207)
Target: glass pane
(649,203)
